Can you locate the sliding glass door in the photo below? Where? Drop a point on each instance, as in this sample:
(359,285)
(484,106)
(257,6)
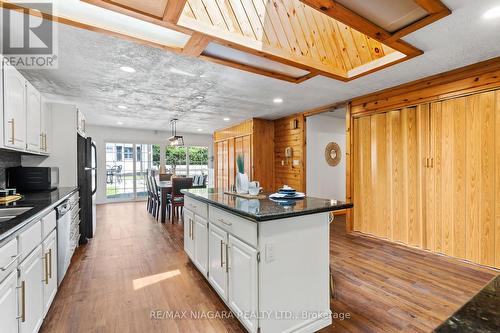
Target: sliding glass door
(127,166)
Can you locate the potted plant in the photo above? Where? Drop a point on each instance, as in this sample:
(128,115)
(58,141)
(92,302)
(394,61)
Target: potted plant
(241,177)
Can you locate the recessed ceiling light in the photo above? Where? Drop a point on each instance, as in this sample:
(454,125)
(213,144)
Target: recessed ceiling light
(226,119)
(204,76)
(119,123)
(127,69)
(123,107)
(199,130)
(278,100)
(200,97)
(492,13)
(180,72)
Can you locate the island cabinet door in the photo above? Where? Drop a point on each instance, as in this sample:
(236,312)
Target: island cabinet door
(8,303)
(31,292)
(189,233)
(217,264)
(201,244)
(243,293)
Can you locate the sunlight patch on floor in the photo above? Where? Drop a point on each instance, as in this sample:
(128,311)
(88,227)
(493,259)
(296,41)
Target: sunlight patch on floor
(152,279)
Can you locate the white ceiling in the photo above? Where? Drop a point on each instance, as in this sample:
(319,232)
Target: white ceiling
(89,76)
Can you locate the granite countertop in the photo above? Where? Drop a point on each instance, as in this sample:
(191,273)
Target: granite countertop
(265,209)
(40,201)
(480,315)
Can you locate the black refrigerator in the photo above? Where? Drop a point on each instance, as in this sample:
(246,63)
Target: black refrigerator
(87,184)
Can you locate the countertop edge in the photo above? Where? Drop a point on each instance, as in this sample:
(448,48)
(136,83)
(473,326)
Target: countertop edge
(266,218)
(6,236)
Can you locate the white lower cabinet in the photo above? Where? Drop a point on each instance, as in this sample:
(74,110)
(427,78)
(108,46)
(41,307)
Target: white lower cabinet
(188,233)
(200,233)
(243,285)
(8,303)
(31,292)
(50,270)
(217,254)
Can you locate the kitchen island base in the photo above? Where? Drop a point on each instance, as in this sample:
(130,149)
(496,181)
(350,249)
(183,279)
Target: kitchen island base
(273,275)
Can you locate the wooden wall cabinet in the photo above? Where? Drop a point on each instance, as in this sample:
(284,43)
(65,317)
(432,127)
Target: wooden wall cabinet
(429,176)
(254,140)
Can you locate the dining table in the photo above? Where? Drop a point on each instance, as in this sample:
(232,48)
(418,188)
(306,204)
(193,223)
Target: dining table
(165,188)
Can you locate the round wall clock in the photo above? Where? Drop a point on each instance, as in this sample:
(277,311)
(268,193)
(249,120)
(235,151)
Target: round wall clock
(332,154)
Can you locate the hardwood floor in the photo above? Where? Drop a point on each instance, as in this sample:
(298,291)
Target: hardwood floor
(136,265)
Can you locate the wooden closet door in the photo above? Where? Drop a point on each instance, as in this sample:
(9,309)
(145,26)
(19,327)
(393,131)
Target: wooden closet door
(387,176)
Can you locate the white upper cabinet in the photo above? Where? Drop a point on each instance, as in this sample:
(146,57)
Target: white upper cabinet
(33,119)
(14,108)
(27,122)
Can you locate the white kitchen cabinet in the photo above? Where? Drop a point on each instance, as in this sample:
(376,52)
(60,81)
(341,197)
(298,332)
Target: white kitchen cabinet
(45,128)
(200,233)
(33,119)
(50,270)
(14,108)
(8,303)
(189,233)
(31,292)
(217,264)
(243,277)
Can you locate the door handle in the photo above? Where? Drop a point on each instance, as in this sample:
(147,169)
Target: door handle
(13,127)
(221,254)
(227,258)
(46,258)
(23,301)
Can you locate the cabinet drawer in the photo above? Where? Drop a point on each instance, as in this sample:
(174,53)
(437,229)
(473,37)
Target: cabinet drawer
(8,260)
(49,223)
(235,225)
(30,238)
(197,207)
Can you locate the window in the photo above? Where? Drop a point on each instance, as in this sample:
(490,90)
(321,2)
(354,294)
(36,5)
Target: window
(127,166)
(187,161)
(128,153)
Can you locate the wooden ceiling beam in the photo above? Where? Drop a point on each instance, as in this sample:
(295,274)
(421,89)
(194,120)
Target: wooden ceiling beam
(196,44)
(433,6)
(173,10)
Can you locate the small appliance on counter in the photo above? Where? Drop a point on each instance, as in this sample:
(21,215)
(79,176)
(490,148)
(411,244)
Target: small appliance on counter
(32,179)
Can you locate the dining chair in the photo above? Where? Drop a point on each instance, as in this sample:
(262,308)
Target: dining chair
(156,197)
(177,198)
(150,194)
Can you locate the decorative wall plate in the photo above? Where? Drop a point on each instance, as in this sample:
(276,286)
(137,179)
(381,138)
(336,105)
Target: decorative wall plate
(332,154)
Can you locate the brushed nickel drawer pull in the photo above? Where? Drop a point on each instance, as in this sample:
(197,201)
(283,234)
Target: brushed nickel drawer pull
(46,258)
(14,258)
(227,258)
(50,263)
(224,222)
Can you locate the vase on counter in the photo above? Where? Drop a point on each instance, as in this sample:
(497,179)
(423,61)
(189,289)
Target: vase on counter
(241,183)
(241,177)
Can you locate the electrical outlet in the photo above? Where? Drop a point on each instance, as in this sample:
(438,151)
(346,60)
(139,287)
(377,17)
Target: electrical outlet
(270,253)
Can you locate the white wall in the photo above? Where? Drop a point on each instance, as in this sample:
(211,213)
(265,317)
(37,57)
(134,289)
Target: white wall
(100,135)
(325,181)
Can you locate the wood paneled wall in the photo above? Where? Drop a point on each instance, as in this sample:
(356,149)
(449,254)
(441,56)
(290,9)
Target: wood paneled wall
(429,175)
(287,136)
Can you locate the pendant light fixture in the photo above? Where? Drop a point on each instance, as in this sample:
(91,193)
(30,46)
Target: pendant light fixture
(175,140)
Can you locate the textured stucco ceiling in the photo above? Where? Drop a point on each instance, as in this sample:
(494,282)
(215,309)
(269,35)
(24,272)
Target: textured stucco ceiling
(89,76)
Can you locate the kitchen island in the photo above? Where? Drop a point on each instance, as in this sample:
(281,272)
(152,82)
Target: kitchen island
(268,260)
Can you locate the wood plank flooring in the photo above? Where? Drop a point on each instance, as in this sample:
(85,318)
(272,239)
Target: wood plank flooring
(136,265)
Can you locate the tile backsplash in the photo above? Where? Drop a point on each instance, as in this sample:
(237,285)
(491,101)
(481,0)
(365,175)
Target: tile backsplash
(8,159)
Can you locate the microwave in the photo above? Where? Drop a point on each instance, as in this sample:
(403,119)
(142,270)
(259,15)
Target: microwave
(31,179)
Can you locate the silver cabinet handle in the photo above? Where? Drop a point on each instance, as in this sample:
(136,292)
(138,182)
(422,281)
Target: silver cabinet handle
(50,263)
(13,126)
(221,254)
(46,258)
(224,222)
(23,301)
(4,268)
(227,258)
